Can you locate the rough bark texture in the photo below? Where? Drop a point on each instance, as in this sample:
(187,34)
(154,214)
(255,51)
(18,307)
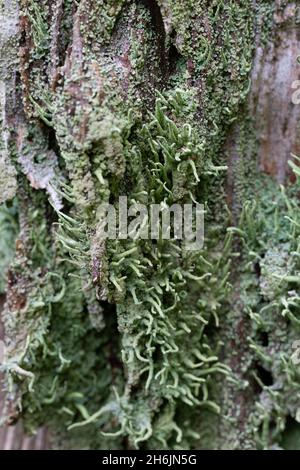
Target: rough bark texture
(141,343)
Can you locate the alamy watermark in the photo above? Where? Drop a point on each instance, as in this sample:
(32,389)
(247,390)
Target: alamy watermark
(153,222)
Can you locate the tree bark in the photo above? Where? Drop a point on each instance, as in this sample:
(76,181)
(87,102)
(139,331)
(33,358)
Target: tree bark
(141,343)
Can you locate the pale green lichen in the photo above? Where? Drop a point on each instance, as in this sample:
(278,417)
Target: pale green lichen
(124,343)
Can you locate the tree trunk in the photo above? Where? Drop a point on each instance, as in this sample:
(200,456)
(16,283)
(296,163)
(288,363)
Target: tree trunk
(140,341)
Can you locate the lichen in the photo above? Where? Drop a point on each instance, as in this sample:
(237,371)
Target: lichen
(131,343)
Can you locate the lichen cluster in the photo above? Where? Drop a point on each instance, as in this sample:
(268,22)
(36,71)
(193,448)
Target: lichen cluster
(130,343)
